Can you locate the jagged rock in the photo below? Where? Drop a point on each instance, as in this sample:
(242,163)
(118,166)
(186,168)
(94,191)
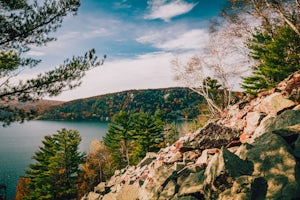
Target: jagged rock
(252,121)
(100,188)
(280,122)
(206,156)
(274,103)
(203,158)
(179,166)
(175,157)
(297,107)
(92,196)
(287,118)
(240,190)
(191,184)
(128,192)
(168,191)
(291,86)
(150,156)
(288,131)
(156,181)
(274,163)
(212,136)
(110,196)
(191,155)
(223,169)
(227,162)
(246,188)
(244,137)
(261,129)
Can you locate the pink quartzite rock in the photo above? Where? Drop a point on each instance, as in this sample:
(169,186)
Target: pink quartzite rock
(244,137)
(274,103)
(252,121)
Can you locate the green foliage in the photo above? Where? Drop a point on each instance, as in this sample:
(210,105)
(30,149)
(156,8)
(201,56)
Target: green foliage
(215,92)
(55,173)
(131,136)
(278,56)
(22,26)
(172,103)
(171,133)
(148,134)
(118,139)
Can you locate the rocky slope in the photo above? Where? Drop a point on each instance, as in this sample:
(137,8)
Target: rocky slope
(252,152)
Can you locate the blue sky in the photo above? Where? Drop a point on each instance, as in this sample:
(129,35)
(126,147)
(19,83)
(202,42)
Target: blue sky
(139,37)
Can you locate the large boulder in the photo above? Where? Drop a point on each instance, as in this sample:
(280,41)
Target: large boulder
(156,182)
(278,123)
(274,103)
(240,190)
(128,192)
(192,184)
(211,136)
(222,170)
(168,191)
(275,164)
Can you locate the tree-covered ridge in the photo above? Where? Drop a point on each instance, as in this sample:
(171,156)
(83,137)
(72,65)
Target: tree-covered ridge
(172,103)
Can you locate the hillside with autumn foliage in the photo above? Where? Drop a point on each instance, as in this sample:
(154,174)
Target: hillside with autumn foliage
(171,103)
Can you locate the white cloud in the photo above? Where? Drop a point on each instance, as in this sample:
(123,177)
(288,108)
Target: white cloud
(176,39)
(143,72)
(165,10)
(191,40)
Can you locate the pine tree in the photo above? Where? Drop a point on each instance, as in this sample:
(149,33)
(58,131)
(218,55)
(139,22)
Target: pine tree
(118,139)
(131,136)
(277,57)
(148,131)
(55,173)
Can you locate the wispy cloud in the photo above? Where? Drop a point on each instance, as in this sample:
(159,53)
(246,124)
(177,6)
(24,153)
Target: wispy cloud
(167,40)
(166,10)
(122,5)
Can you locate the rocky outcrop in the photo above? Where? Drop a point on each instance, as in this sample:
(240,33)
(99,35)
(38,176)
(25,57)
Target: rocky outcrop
(252,152)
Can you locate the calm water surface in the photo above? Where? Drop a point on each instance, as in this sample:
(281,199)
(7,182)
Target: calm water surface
(18,142)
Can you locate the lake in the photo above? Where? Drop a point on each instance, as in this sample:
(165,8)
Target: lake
(18,142)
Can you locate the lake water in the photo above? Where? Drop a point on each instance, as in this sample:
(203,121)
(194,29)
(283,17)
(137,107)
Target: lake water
(18,142)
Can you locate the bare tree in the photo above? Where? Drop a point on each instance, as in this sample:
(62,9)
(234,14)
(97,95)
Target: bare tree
(225,59)
(271,12)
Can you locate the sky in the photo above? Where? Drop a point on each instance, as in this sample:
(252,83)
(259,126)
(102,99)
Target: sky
(139,37)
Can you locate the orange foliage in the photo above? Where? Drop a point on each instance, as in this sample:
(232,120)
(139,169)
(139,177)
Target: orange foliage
(22,188)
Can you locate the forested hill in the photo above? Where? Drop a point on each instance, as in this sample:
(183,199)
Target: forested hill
(173,103)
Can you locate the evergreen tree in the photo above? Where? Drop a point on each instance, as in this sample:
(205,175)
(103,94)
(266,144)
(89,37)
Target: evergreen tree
(148,131)
(56,171)
(131,136)
(118,139)
(277,57)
